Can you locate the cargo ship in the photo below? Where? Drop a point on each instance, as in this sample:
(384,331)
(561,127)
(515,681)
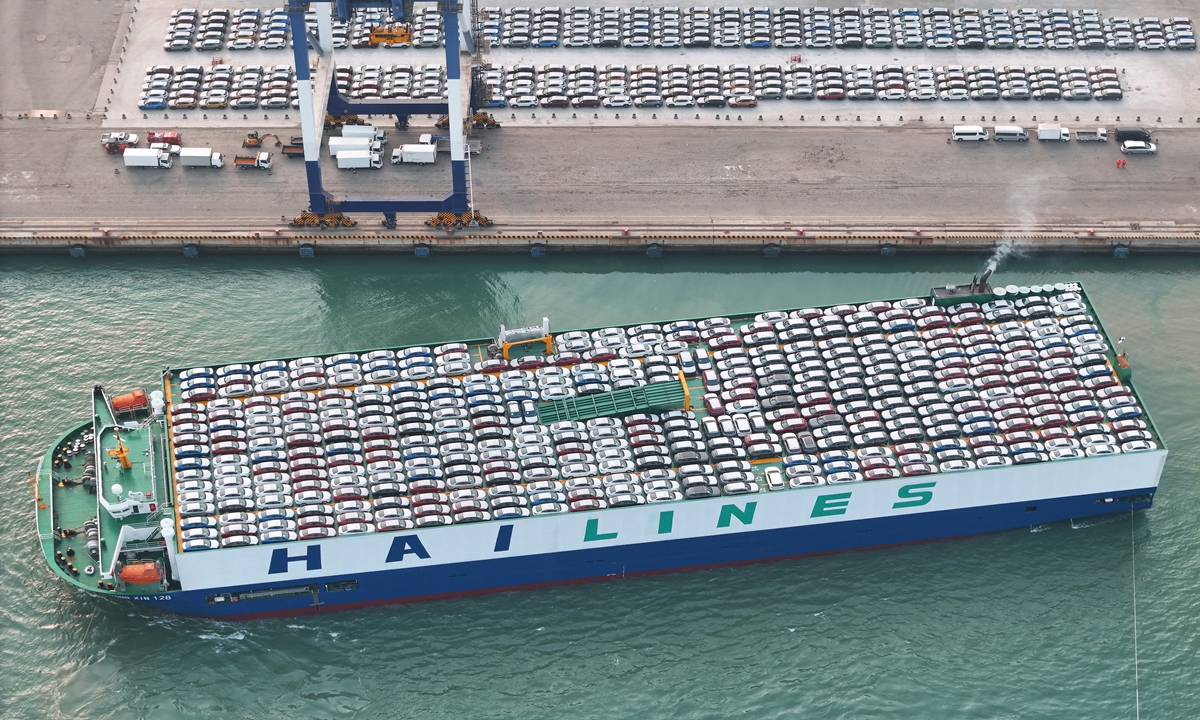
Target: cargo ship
(305,484)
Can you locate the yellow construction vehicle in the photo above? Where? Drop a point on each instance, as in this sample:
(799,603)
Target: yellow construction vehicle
(389,35)
(253,139)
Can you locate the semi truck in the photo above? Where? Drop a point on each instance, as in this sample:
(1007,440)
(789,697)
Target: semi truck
(258,160)
(338,144)
(364,131)
(1097,135)
(356,159)
(1053,132)
(419,154)
(147,158)
(200,157)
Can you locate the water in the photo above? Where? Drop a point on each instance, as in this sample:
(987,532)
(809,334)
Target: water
(1014,625)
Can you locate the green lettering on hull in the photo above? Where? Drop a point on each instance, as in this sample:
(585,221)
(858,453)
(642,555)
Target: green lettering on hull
(666,521)
(914,495)
(593,532)
(827,505)
(729,512)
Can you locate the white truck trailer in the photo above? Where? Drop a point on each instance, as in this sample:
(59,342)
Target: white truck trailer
(338,144)
(418,154)
(1053,132)
(357,159)
(200,157)
(147,158)
(364,131)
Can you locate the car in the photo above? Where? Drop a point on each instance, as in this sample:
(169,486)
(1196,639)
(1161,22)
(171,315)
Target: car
(1138,147)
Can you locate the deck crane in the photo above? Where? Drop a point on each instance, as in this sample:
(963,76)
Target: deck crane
(324,208)
(121,452)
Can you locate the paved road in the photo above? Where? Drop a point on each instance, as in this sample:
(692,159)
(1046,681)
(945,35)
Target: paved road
(54,52)
(872,176)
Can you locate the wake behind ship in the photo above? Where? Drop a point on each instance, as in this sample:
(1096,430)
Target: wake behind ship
(418,472)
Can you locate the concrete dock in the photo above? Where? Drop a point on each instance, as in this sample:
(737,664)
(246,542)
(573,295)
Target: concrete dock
(739,185)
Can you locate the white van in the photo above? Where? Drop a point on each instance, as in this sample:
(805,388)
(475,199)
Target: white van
(969,132)
(1010,133)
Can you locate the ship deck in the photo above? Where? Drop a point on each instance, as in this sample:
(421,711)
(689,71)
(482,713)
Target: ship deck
(694,386)
(151,449)
(66,503)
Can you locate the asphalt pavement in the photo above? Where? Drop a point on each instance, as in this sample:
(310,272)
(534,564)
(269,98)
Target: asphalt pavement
(839,175)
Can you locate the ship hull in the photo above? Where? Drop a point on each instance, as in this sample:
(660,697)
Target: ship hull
(470,560)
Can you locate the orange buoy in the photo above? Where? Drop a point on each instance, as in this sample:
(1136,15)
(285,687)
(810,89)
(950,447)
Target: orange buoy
(144,573)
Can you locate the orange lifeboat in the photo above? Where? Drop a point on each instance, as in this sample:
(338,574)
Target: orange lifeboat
(144,573)
(130,402)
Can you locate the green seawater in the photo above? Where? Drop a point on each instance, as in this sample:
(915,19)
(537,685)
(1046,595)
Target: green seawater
(1034,623)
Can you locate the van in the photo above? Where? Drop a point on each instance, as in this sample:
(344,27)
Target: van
(969,132)
(1132,133)
(1010,133)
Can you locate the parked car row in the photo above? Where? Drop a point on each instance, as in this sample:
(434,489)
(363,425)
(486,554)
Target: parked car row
(220,86)
(1150,33)
(744,85)
(823,27)
(394,81)
(213,29)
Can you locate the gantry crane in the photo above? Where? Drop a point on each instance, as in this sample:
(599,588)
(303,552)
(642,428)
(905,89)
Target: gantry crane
(326,209)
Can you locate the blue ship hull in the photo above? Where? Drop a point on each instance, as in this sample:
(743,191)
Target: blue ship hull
(501,574)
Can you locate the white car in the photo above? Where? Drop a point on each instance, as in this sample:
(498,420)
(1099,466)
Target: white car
(1138,147)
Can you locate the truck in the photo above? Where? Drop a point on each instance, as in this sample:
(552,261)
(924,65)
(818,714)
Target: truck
(119,137)
(355,159)
(293,151)
(258,160)
(118,142)
(419,154)
(200,157)
(170,137)
(364,131)
(1097,135)
(338,144)
(147,158)
(1053,132)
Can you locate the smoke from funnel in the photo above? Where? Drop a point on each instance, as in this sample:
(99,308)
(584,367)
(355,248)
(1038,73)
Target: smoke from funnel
(1001,252)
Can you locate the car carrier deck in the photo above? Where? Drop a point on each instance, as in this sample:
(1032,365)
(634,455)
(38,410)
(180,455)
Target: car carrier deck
(277,464)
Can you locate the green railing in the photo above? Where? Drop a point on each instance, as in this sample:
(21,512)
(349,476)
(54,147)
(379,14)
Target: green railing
(656,396)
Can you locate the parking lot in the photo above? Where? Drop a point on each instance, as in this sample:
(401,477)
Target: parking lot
(1152,84)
